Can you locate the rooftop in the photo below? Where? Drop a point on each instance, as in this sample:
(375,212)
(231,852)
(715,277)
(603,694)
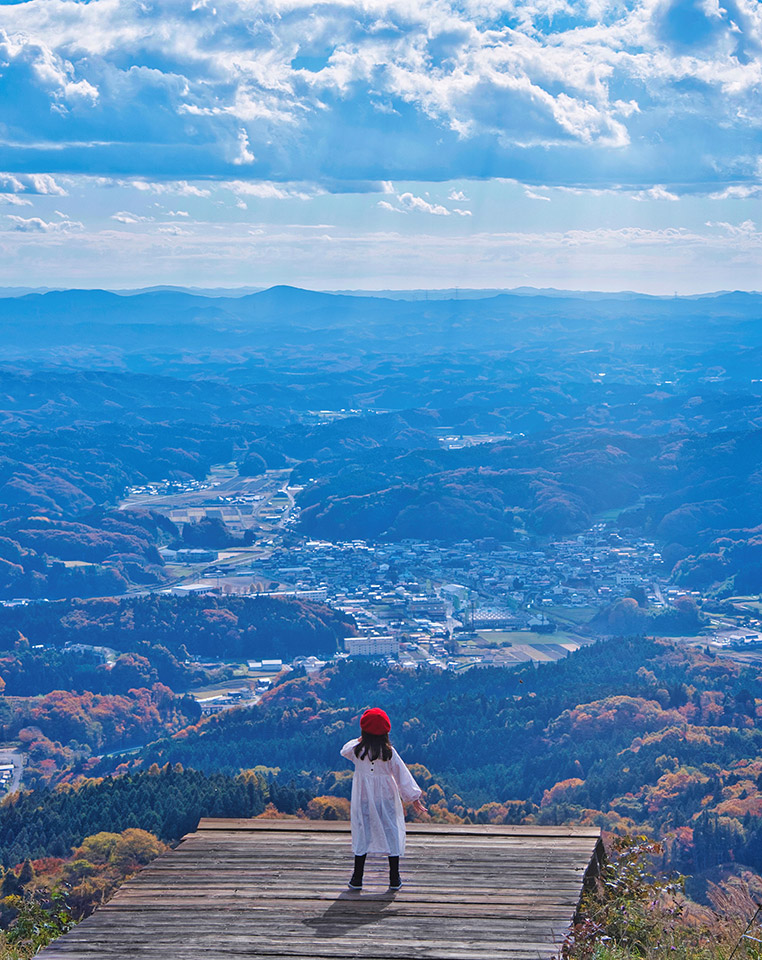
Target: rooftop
(277,889)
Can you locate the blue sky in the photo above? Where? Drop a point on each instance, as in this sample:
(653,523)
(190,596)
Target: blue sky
(414,143)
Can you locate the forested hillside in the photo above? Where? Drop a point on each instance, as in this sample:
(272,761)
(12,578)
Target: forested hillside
(223,627)
(165,802)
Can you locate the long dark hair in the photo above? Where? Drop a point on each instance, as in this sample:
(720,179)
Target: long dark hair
(373,746)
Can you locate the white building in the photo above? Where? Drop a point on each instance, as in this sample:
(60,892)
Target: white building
(372,646)
(316,593)
(628,580)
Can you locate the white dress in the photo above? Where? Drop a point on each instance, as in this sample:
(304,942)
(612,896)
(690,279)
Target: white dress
(378,820)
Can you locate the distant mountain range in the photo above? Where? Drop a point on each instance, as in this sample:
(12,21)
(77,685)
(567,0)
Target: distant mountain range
(422,293)
(284,327)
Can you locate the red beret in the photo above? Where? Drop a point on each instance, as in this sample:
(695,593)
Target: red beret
(375,721)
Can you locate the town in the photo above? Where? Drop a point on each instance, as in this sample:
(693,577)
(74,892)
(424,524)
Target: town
(426,604)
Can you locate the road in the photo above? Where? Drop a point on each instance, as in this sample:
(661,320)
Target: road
(14,756)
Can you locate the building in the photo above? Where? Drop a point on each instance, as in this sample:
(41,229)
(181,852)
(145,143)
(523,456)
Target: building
(629,580)
(317,594)
(431,607)
(487,619)
(372,646)
(196,556)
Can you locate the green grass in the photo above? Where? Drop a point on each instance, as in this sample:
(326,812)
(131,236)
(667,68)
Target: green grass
(217,689)
(575,615)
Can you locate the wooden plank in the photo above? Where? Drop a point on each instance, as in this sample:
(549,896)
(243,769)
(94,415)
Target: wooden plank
(264,910)
(164,940)
(388,927)
(558,902)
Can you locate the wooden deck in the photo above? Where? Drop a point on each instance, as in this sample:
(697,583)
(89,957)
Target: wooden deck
(277,889)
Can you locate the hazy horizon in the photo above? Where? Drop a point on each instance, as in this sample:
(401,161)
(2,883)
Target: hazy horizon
(439,293)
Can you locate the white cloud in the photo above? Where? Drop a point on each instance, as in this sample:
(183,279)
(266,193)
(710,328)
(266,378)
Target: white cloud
(745,230)
(244,154)
(737,192)
(657,192)
(34,183)
(124,216)
(411,202)
(532,195)
(179,187)
(458,196)
(270,191)
(38,225)
(14,200)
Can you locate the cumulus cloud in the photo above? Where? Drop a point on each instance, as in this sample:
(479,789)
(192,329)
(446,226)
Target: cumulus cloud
(244,154)
(14,200)
(36,183)
(545,92)
(747,229)
(124,216)
(657,192)
(409,202)
(269,190)
(737,191)
(38,225)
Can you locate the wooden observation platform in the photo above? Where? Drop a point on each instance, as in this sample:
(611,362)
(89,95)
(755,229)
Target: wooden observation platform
(277,889)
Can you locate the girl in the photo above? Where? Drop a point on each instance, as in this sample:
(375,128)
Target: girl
(380,779)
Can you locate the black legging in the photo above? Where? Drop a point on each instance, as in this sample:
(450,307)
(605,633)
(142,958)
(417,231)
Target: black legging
(394,869)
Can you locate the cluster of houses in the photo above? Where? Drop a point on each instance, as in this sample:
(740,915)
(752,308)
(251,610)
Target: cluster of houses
(161,487)
(483,583)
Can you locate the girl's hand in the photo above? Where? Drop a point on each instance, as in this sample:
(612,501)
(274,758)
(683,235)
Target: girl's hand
(419,807)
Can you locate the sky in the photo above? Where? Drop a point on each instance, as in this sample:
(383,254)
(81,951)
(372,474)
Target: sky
(382,144)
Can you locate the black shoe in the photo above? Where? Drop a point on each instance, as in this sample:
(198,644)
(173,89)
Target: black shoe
(354,884)
(395,883)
